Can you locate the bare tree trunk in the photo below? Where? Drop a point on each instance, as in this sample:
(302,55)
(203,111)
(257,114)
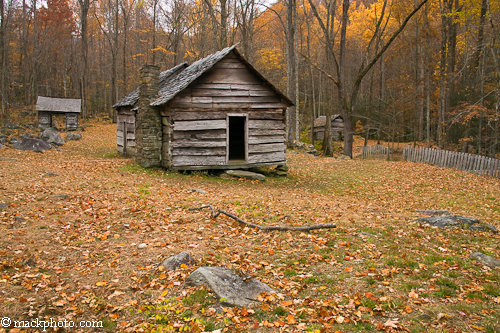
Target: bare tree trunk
(290,69)
(84,10)
(3,62)
(223,23)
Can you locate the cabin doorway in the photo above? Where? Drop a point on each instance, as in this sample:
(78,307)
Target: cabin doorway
(237,145)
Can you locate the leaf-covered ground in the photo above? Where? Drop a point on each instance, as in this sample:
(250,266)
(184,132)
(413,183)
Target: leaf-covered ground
(69,244)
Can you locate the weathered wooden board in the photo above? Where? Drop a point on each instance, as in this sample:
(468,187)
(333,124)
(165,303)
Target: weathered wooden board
(199,125)
(199,151)
(266,148)
(198,144)
(230,75)
(214,115)
(178,161)
(119,140)
(129,118)
(130,143)
(243,99)
(230,64)
(232,86)
(270,157)
(199,135)
(266,124)
(259,132)
(266,139)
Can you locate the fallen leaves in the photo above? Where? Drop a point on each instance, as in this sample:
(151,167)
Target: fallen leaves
(77,251)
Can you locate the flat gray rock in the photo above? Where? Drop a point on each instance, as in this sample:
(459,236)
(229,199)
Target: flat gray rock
(228,286)
(51,136)
(176,261)
(35,145)
(198,190)
(73,136)
(457,221)
(246,174)
(486,259)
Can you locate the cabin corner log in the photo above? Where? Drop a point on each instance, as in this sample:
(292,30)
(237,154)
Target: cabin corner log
(217,212)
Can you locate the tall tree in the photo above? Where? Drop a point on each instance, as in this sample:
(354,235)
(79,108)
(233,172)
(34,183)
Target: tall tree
(84,11)
(348,95)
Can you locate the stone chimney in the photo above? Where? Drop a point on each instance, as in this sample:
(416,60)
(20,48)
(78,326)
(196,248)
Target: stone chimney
(148,131)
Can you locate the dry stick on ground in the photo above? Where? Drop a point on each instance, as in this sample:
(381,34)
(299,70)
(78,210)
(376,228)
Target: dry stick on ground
(266,228)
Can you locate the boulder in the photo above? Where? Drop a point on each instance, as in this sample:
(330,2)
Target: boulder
(51,174)
(51,136)
(35,145)
(229,287)
(246,174)
(176,261)
(28,136)
(486,259)
(11,125)
(73,136)
(3,139)
(457,221)
(14,140)
(343,157)
(3,205)
(282,170)
(1,146)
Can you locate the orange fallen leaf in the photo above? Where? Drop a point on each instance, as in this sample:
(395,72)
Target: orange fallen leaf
(371,296)
(349,269)
(291,319)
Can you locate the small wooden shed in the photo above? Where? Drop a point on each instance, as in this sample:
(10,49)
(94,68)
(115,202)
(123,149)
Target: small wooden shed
(47,106)
(218,113)
(336,128)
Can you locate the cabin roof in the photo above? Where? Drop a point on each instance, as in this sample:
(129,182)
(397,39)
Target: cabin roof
(321,120)
(165,77)
(198,68)
(51,104)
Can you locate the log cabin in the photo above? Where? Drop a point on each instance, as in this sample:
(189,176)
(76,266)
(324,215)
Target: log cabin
(217,113)
(337,127)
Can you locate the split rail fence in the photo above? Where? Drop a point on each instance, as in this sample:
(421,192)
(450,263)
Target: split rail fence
(477,164)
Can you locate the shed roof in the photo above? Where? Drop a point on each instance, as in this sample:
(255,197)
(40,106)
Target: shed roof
(321,120)
(51,104)
(198,68)
(165,77)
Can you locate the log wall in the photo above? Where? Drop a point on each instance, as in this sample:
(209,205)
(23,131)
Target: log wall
(198,120)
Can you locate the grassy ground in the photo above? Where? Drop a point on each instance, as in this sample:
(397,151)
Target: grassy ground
(75,254)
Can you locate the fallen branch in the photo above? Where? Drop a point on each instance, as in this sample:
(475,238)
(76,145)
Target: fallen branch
(265,228)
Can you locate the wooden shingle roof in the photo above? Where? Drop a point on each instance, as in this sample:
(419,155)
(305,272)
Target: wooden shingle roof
(165,77)
(51,104)
(176,79)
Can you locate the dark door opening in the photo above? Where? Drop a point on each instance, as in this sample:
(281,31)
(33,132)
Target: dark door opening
(237,138)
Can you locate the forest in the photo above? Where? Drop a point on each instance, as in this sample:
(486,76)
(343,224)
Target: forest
(417,71)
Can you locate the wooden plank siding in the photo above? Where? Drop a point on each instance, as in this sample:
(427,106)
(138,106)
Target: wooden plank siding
(128,117)
(199,119)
